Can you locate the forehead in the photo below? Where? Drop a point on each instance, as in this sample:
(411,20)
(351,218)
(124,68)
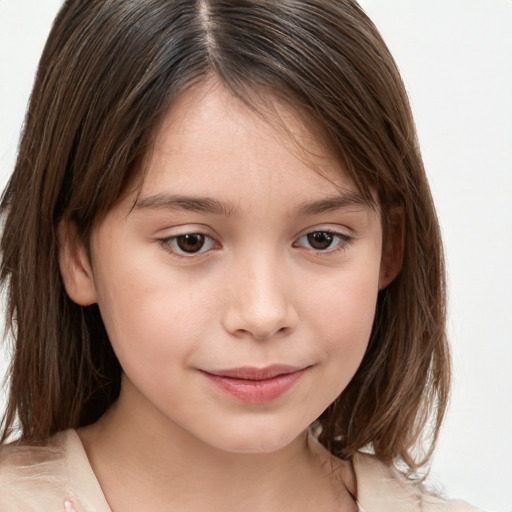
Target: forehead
(210,143)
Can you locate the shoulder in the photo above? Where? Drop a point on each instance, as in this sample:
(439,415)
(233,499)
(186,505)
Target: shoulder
(56,476)
(381,488)
(32,476)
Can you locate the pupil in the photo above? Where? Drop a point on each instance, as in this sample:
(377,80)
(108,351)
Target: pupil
(190,243)
(320,239)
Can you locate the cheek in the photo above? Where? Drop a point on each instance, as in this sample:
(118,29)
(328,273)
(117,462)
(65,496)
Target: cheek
(342,316)
(156,317)
(345,302)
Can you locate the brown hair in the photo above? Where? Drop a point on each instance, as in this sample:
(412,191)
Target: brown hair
(109,72)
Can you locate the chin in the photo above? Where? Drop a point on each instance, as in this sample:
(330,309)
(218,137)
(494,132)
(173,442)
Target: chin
(259,440)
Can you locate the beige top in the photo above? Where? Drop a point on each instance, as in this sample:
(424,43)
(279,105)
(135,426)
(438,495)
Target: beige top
(59,478)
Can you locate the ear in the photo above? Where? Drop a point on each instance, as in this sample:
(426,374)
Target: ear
(75,265)
(392,248)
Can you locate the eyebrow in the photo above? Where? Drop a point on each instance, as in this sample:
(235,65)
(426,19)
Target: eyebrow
(213,206)
(189,203)
(329,204)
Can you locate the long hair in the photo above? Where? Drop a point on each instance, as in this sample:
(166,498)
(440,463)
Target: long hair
(110,71)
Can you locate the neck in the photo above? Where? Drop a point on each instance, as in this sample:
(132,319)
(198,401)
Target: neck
(167,468)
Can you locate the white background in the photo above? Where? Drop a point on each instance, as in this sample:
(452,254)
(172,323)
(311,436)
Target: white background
(456,59)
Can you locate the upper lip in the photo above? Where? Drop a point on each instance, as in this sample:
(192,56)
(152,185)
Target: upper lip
(252,373)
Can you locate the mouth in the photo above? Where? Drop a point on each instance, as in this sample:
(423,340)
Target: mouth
(256,385)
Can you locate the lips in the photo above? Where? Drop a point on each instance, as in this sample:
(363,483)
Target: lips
(255,385)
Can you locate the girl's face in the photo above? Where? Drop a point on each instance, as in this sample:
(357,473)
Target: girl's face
(239,292)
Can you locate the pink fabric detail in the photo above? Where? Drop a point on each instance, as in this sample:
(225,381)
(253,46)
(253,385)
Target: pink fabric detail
(68,506)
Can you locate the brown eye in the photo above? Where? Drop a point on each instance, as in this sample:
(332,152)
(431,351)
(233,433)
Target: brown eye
(324,241)
(320,240)
(190,243)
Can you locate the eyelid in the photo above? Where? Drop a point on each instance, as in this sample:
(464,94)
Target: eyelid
(344,239)
(166,242)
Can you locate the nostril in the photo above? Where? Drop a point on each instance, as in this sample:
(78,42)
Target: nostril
(261,308)
(262,333)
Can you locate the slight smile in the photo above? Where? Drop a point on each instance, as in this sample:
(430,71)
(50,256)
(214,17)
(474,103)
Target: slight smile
(256,385)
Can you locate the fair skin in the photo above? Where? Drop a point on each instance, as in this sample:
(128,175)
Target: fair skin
(281,266)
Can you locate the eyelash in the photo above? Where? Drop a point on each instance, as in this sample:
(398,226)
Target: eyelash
(169,244)
(343,240)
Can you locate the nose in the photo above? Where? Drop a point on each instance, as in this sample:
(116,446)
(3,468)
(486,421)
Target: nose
(260,302)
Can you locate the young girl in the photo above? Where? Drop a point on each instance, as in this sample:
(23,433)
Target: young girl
(223,267)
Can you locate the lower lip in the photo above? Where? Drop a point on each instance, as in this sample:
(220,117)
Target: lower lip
(256,391)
